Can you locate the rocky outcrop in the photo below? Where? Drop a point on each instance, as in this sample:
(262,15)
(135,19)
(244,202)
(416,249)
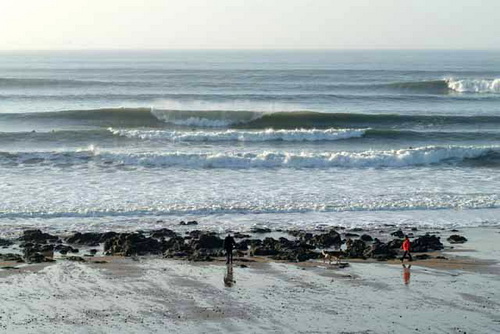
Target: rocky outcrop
(366,238)
(398,234)
(192,222)
(380,251)
(65,249)
(427,243)
(128,244)
(5,243)
(207,241)
(357,249)
(163,233)
(326,240)
(36,253)
(37,236)
(456,239)
(260,230)
(90,239)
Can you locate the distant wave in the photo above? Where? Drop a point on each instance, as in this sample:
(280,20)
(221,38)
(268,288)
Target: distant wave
(421,156)
(242,135)
(148,117)
(294,85)
(474,85)
(54,83)
(111,135)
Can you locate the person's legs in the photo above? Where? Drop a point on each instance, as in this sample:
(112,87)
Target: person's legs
(409,256)
(228,255)
(404,256)
(231,256)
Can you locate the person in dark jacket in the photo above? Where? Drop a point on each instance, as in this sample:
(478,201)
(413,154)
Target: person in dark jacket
(229,245)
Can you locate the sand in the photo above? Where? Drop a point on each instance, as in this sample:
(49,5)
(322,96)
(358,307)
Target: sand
(153,295)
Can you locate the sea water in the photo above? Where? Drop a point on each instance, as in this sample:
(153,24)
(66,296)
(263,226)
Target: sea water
(127,140)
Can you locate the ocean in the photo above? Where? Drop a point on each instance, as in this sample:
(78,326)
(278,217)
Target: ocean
(128,140)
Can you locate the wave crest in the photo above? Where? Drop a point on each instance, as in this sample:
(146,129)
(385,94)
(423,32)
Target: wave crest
(241,135)
(474,85)
(422,156)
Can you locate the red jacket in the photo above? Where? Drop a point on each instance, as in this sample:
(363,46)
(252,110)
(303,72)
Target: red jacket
(406,245)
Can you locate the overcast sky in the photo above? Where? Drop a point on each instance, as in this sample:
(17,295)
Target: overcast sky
(249,24)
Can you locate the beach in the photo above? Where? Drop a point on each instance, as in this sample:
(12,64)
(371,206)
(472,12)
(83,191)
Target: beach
(455,291)
(121,172)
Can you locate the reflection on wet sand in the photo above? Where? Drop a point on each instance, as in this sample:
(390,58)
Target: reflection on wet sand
(406,274)
(228,276)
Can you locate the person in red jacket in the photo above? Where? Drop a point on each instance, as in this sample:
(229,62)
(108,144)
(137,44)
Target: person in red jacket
(406,246)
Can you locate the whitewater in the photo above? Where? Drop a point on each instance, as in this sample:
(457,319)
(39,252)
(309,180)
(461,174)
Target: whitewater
(136,140)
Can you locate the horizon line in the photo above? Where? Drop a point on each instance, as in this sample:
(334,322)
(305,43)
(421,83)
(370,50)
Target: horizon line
(248,49)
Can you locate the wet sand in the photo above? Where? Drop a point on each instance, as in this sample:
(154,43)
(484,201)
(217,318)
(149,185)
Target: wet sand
(459,294)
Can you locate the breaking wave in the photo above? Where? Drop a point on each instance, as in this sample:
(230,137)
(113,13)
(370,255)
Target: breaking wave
(474,85)
(156,118)
(241,135)
(422,156)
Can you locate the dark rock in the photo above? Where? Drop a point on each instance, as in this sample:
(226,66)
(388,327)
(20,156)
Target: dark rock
(208,241)
(37,236)
(195,233)
(163,233)
(65,249)
(128,244)
(5,242)
(456,239)
(260,230)
(254,242)
(326,240)
(414,229)
(380,251)
(398,234)
(426,243)
(296,255)
(395,243)
(242,245)
(423,257)
(239,235)
(93,252)
(267,247)
(357,249)
(175,244)
(351,235)
(76,259)
(193,222)
(366,238)
(441,258)
(243,266)
(455,230)
(90,238)
(356,229)
(302,235)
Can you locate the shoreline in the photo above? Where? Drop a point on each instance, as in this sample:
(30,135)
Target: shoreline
(150,293)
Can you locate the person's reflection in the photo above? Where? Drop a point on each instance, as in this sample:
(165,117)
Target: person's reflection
(228,276)
(406,274)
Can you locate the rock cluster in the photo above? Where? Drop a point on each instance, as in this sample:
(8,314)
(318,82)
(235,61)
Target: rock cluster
(199,245)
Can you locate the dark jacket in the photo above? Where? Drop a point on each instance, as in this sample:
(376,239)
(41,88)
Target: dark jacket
(229,243)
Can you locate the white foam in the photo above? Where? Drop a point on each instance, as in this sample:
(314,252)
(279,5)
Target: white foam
(474,85)
(241,135)
(421,156)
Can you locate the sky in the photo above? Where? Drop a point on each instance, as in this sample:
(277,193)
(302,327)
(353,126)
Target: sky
(249,24)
